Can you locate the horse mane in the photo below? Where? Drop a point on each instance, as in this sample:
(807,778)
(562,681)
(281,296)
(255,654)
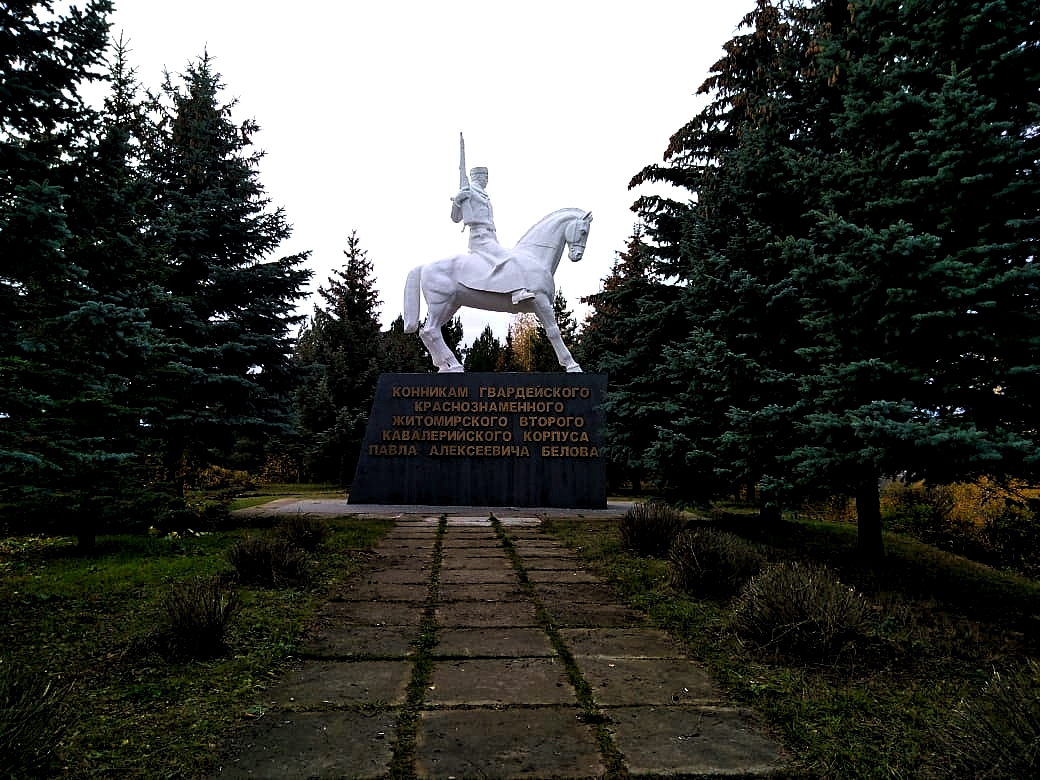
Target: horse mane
(547,220)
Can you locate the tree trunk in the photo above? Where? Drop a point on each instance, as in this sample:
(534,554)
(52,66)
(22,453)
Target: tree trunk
(868,515)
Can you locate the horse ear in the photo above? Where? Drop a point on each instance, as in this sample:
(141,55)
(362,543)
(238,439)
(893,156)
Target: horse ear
(588,216)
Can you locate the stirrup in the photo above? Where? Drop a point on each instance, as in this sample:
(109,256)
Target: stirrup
(522,295)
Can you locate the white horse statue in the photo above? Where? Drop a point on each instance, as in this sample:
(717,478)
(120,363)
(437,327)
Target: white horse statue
(461,280)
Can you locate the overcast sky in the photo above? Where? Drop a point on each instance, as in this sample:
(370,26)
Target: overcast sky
(360,106)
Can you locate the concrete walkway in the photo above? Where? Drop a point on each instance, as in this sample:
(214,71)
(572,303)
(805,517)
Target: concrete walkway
(477,649)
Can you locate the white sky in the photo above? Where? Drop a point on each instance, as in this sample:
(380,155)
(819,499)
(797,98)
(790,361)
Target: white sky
(360,106)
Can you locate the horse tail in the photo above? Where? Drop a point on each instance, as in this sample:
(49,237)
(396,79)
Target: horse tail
(411,300)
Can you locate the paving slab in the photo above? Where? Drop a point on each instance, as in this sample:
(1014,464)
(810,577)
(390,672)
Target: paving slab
(373,613)
(693,741)
(396,575)
(514,743)
(626,681)
(354,641)
(570,614)
(489,591)
(493,642)
(366,591)
(314,745)
(501,576)
(470,546)
(473,552)
(326,684)
(457,560)
(537,543)
(499,681)
(621,642)
(485,614)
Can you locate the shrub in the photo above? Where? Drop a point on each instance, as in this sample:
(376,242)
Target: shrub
(305,531)
(799,610)
(648,529)
(707,561)
(1013,539)
(195,615)
(997,733)
(34,717)
(268,561)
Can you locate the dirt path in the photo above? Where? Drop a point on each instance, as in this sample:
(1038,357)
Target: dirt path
(473,648)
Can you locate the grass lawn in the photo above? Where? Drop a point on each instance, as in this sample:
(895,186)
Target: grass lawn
(87,620)
(940,626)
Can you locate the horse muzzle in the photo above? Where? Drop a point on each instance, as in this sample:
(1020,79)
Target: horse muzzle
(576,253)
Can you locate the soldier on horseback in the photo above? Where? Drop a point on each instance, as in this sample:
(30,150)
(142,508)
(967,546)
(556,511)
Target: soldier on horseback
(472,206)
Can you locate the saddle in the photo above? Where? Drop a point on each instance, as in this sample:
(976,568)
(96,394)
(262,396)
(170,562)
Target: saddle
(504,277)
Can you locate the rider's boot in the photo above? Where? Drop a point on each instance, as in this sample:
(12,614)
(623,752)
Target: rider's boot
(523,294)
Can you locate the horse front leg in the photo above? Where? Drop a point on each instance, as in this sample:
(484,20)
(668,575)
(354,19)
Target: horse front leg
(432,337)
(544,311)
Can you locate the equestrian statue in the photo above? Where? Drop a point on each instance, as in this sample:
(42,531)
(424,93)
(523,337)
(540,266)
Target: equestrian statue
(491,277)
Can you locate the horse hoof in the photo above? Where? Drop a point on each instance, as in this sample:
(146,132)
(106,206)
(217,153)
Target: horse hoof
(455,370)
(575,369)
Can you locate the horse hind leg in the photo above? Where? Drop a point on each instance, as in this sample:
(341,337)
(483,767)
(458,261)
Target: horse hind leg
(432,337)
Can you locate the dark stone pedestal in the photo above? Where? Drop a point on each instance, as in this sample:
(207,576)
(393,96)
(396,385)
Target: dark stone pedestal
(485,440)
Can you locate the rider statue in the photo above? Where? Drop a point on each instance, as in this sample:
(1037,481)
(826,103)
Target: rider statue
(472,207)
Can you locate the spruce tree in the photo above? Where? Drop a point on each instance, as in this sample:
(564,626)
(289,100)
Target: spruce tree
(344,347)
(484,353)
(632,318)
(226,310)
(51,383)
(854,277)
(920,281)
(404,353)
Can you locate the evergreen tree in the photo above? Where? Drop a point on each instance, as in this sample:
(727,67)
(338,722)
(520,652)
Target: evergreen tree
(920,281)
(52,372)
(345,348)
(632,318)
(865,202)
(107,336)
(484,353)
(404,353)
(226,311)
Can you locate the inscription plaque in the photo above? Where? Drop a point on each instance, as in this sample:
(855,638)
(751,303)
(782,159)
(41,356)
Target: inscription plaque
(485,439)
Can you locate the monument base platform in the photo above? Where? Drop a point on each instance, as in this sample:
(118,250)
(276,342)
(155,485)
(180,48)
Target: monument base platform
(483,439)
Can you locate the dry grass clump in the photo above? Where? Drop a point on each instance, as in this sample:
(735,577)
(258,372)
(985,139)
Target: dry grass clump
(799,610)
(305,531)
(709,562)
(996,734)
(268,562)
(195,615)
(649,528)
(34,716)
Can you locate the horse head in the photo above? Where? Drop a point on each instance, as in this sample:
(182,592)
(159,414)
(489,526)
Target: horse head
(577,234)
